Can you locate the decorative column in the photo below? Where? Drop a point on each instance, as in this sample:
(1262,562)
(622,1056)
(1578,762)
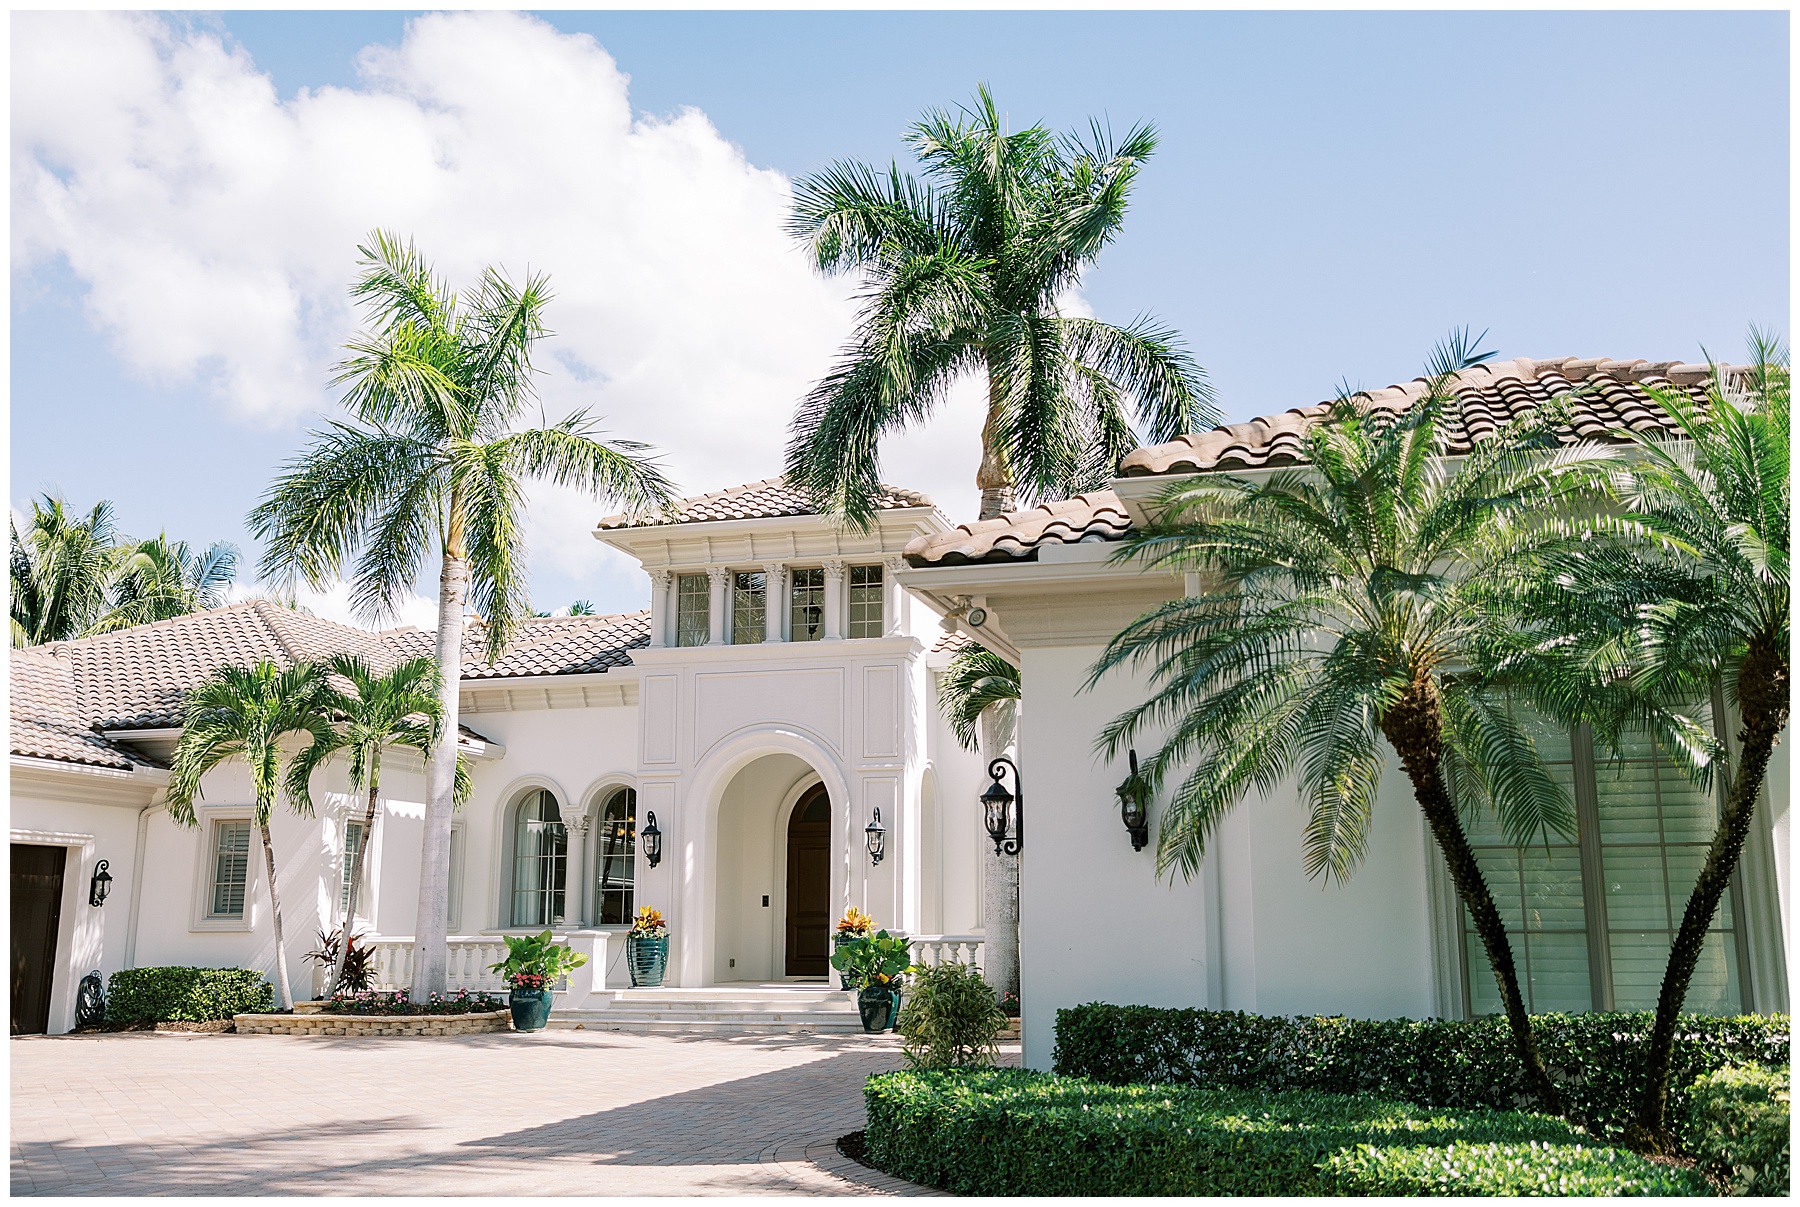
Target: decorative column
(834,600)
(720,580)
(659,608)
(893,610)
(575,903)
(774,599)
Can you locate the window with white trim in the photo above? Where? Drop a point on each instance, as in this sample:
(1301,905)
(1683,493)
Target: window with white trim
(456,878)
(806,604)
(749,598)
(540,862)
(693,609)
(615,858)
(230,869)
(353,831)
(865,601)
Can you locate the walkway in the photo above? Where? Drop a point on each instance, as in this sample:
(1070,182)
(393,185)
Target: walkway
(557,1113)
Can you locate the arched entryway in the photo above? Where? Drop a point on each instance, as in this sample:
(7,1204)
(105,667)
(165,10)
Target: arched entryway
(809,885)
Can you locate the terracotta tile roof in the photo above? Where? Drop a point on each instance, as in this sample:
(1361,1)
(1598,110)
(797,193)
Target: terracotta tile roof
(63,694)
(769,499)
(45,723)
(1018,535)
(1490,395)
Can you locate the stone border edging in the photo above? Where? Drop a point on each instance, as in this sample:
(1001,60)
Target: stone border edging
(372,1024)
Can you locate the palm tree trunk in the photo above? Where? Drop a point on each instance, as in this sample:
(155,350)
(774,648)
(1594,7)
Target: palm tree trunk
(1414,726)
(284,1000)
(1763,700)
(431,933)
(994,478)
(356,878)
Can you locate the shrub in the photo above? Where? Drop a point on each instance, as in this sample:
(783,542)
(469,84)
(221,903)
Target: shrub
(1737,1125)
(1595,1058)
(369,1001)
(1464,1168)
(1013,1132)
(185,995)
(950,1020)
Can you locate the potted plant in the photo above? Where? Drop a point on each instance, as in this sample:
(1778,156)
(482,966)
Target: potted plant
(853,925)
(532,965)
(647,948)
(875,966)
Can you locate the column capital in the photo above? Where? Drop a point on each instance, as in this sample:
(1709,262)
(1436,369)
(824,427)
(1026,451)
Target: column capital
(718,576)
(774,570)
(660,579)
(579,823)
(893,563)
(834,569)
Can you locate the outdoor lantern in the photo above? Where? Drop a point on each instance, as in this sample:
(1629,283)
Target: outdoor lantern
(1004,812)
(100,885)
(1133,810)
(876,833)
(651,837)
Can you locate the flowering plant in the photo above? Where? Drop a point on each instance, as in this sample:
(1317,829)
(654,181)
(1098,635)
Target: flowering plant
(534,961)
(371,1001)
(649,924)
(855,924)
(1009,1004)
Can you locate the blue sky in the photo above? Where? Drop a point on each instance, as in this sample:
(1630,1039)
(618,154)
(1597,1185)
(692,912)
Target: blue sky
(1332,193)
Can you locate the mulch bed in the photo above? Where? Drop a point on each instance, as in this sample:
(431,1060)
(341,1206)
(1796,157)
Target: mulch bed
(213,1025)
(855,1146)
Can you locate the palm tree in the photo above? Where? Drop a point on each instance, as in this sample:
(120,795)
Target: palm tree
(61,569)
(976,680)
(431,463)
(158,579)
(1684,585)
(1340,595)
(400,708)
(245,714)
(581,607)
(963,273)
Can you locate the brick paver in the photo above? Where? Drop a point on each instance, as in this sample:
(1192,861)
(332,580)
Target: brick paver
(557,1113)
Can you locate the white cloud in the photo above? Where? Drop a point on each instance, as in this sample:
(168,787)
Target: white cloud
(333,603)
(214,227)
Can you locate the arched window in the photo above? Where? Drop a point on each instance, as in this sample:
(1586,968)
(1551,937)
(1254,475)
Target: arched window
(615,849)
(540,862)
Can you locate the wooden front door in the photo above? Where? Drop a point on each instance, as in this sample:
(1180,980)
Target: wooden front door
(37,885)
(809,885)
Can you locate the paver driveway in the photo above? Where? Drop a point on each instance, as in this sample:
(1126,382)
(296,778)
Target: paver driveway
(558,1113)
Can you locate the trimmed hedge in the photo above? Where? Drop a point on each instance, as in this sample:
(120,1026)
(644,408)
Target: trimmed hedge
(190,995)
(1737,1125)
(1015,1132)
(1595,1058)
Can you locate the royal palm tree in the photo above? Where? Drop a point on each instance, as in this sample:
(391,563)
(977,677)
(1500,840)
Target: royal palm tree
(431,462)
(1336,598)
(401,708)
(61,569)
(158,579)
(976,680)
(245,714)
(1683,585)
(964,271)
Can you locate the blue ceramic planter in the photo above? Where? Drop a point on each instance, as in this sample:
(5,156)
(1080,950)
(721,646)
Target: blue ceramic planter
(648,960)
(530,1009)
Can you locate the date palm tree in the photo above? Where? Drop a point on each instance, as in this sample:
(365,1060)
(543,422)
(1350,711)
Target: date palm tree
(61,569)
(432,462)
(1337,597)
(400,708)
(1683,585)
(245,714)
(963,274)
(158,579)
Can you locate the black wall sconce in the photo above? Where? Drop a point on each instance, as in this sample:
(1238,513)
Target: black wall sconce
(100,885)
(1003,812)
(876,834)
(652,839)
(1134,806)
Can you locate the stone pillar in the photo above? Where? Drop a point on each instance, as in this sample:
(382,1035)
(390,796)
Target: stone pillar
(1001,933)
(834,600)
(720,599)
(774,599)
(893,609)
(575,887)
(659,608)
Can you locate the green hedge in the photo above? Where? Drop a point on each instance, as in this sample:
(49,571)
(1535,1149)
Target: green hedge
(1595,1057)
(1737,1125)
(191,995)
(1014,1132)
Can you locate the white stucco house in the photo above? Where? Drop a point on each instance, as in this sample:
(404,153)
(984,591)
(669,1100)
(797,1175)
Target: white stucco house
(775,695)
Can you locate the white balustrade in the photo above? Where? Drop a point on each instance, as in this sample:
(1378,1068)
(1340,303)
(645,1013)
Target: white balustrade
(470,958)
(931,950)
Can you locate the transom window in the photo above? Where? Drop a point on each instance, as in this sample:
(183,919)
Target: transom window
(615,848)
(693,609)
(749,593)
(1591,922)
(806,604)
(540,862)
(231,869)
(865,601)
